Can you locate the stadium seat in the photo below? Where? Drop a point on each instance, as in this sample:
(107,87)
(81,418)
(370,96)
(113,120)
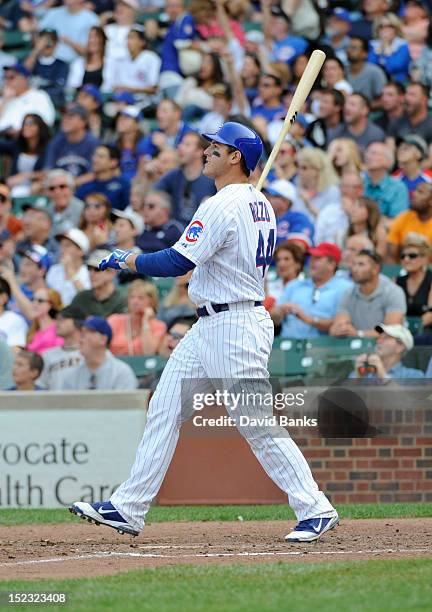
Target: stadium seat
(339,346)
(18,203)
(164,285)
(415,325)
(14,39)
(391,270)
(143,364)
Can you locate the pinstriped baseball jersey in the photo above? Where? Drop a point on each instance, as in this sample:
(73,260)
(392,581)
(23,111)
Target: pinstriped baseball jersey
(231,240)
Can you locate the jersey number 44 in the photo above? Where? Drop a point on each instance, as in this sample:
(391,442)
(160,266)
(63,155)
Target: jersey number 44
(264,254)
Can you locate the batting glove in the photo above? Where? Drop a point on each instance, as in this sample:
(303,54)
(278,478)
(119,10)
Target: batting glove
(116,261)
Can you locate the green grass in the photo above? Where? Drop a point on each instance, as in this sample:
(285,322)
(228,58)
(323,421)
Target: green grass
(161,514)
(377,585)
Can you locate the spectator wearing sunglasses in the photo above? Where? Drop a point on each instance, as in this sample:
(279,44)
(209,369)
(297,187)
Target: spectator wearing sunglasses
(371,301)
(417,280)
(269,104)
(42,334)
(307,306)
(65,209)
(417,219)
(104,298)
(96,220)
(160,230)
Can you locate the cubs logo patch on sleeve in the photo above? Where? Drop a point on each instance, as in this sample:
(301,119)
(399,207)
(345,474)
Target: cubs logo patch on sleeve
(194,231)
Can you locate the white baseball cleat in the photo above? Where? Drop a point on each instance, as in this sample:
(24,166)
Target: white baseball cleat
(103,513)
(312,529)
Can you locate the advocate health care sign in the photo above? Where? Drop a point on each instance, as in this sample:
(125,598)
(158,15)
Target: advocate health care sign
(57,448)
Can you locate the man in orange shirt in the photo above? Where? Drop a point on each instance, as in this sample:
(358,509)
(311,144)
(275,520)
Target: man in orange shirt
(418,219)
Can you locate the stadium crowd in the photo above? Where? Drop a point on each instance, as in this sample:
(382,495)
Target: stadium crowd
(100,122)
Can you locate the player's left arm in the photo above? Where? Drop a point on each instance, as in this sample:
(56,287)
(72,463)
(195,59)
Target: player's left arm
(166,263)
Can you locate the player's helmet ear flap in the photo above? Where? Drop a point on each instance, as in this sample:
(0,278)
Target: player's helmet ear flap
(242,138)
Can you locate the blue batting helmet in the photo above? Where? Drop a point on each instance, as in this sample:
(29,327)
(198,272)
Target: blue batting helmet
(242,138)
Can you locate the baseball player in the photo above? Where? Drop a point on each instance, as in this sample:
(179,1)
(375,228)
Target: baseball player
(229,245)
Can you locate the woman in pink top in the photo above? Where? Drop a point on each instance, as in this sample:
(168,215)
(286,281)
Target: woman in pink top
(138,332)
(43,334)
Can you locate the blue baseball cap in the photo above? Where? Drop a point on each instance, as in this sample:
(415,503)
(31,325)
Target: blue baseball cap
(132,111)
(124,96)
(18,67)
(301,119)
(93,91)
(39,255)
(341,13)
(98,324)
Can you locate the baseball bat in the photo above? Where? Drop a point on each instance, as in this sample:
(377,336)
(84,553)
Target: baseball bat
(306,82)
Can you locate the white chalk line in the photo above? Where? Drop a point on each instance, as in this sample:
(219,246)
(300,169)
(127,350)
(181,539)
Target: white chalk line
(110,554)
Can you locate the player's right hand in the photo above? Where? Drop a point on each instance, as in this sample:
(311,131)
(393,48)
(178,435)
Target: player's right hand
(116,260)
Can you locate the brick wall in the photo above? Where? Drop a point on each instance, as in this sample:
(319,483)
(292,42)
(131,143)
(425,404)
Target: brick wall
(396,469)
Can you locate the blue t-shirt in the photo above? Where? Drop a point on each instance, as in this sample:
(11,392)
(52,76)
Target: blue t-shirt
(411,184)
(52,79)
(185,195)
(321,302)
(148,149)
(75,157)
(269,114)
(183,28)
(128,163)
(293,222)
(115,189)
(390,194)
(288,49)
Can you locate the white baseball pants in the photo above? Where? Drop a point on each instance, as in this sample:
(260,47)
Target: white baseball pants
(230,345)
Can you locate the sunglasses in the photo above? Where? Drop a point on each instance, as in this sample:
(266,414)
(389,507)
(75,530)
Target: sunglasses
(316,296)
(39,300)
(410,255)
(29,122)
(54,187)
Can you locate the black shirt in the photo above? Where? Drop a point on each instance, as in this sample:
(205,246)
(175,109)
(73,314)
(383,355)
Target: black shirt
(159,238)
(417,304)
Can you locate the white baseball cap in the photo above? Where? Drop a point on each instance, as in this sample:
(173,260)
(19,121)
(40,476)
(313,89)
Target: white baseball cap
(133,217)
(399,332)
(78,237)
(132,3)
(282,188)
